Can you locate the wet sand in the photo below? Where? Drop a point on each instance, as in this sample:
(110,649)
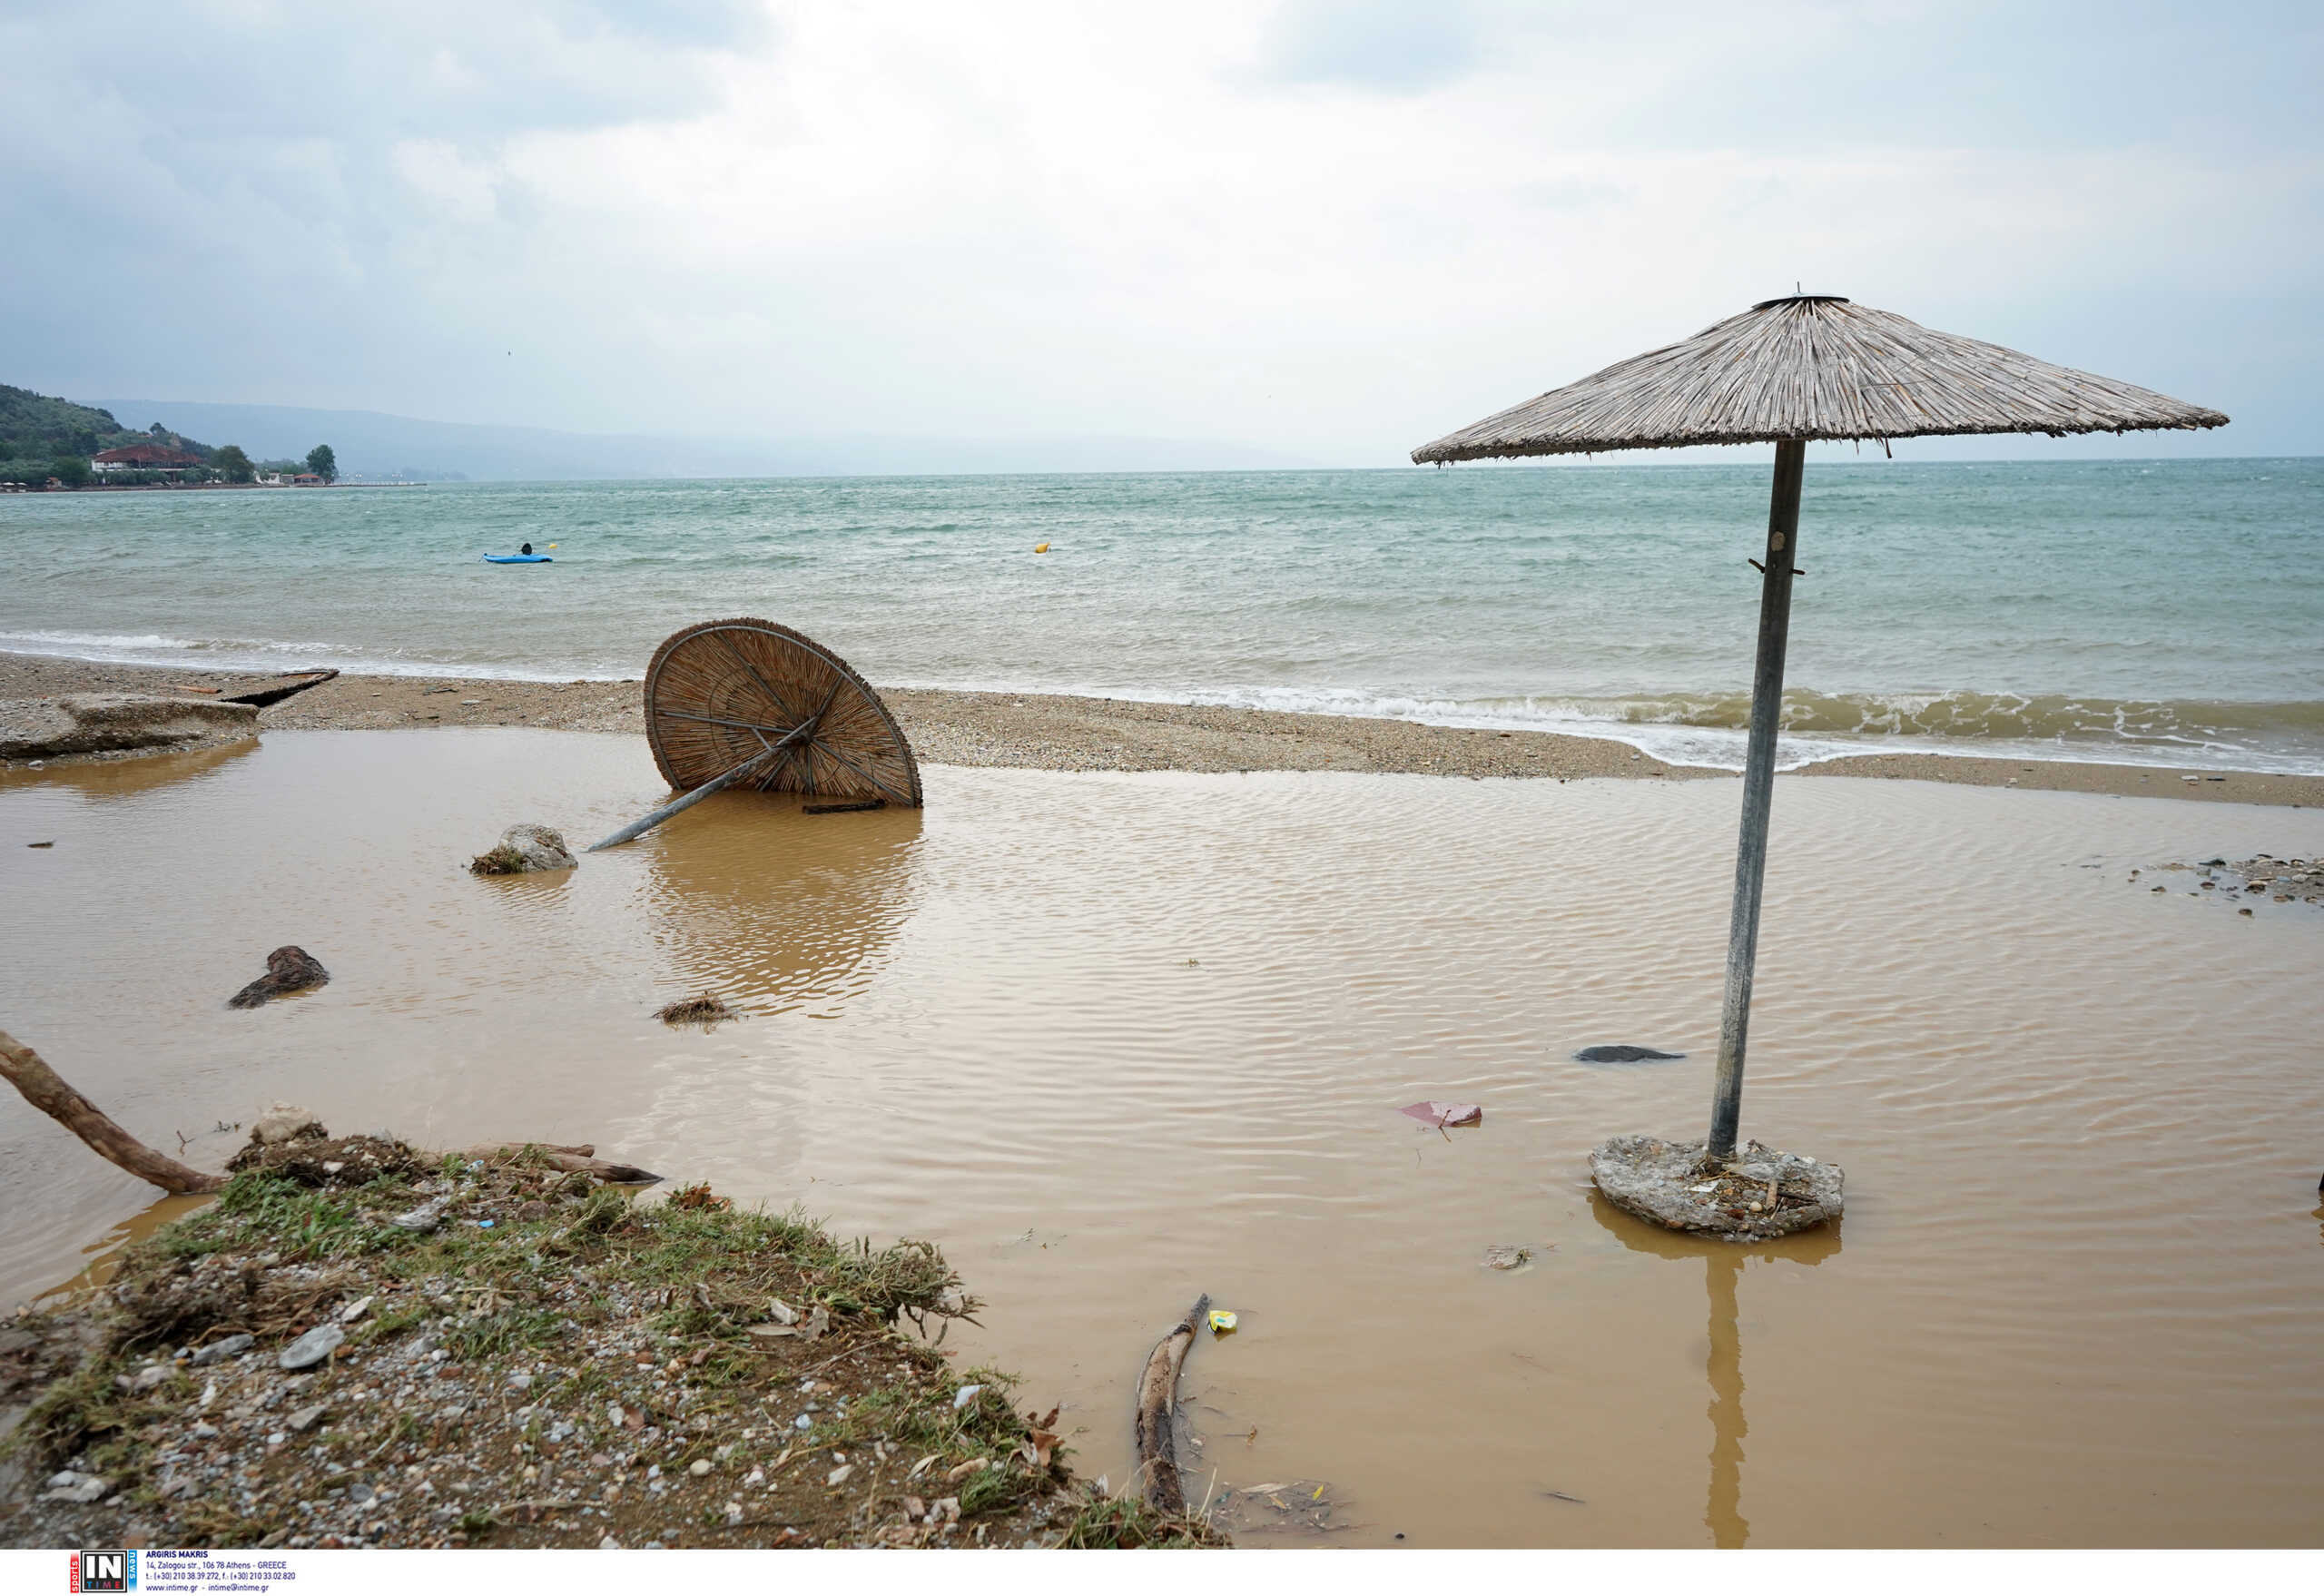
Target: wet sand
(1115,1040)
(1036,731)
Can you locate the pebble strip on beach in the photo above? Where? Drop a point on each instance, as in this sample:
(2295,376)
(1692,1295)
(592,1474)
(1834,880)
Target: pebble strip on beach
(1057,731)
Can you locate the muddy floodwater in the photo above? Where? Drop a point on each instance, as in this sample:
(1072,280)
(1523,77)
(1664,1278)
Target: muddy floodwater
(1115,1041)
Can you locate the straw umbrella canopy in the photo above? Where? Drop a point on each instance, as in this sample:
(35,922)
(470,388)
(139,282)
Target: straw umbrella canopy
(1789,371)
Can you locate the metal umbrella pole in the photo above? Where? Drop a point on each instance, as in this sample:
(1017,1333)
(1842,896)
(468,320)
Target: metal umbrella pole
(1758,793)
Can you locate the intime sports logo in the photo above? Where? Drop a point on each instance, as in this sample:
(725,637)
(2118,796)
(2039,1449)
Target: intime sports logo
(105,1570)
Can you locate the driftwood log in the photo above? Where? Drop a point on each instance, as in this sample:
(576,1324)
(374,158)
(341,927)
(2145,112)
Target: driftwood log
(580,1160)
(49,1092)
(1158,1396)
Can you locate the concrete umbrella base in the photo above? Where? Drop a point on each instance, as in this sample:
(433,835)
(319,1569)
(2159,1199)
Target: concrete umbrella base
(1671,1184)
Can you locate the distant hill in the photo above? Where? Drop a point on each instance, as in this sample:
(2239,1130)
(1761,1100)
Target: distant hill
(34,426)
(371,444)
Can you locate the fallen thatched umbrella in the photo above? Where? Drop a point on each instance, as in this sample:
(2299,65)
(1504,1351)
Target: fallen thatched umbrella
(748,701)
(1788,371)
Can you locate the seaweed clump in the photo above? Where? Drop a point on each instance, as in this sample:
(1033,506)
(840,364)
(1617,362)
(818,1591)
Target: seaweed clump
(703,1010)
(499,860)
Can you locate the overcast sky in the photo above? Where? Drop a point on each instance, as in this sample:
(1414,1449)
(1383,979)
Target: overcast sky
(1335,228)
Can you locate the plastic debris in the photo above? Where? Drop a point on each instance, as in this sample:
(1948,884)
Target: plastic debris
(1222,1323)
(1443,1114)
(964,1396)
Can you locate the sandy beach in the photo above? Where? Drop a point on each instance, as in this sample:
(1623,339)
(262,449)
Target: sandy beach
(1035,731)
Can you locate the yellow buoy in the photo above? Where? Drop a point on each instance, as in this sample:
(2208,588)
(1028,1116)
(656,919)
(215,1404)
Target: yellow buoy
(1040,548)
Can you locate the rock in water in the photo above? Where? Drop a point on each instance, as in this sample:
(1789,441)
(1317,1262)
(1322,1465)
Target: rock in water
(1622,1053)
(314,1347)
(112,722)
(1672,1185)
(287,970)
(523,850)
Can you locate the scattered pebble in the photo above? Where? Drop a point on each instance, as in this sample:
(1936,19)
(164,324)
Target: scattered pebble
(314,1347)
(77,1489)
(218,1352)
(422,1219)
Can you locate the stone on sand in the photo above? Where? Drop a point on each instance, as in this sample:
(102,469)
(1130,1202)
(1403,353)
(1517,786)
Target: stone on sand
(314,1347)
(286,1122)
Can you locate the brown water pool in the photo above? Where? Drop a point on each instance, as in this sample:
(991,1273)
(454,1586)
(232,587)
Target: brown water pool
(1115,1041)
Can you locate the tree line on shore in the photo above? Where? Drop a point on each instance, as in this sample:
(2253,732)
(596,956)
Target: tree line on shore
(44,439)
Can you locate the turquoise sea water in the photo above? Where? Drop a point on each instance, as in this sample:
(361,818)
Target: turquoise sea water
(2164,612)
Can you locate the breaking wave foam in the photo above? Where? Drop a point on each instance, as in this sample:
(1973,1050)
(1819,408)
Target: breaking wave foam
(1710,728)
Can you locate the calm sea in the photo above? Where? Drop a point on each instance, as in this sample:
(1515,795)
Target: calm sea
(2164,611)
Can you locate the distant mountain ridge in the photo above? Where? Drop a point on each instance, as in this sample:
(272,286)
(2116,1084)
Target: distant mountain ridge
(371,444)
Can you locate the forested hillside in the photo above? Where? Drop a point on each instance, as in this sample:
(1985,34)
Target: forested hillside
(34,425)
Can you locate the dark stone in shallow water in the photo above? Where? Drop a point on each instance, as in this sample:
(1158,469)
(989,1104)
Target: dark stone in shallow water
(287,970)
(1622,1053)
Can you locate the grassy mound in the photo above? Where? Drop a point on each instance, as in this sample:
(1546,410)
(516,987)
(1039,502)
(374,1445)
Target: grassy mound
(528,1358)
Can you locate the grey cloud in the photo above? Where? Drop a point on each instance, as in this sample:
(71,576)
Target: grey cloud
(422,70)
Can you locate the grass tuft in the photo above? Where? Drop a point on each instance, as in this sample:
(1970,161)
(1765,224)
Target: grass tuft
(1123,1523)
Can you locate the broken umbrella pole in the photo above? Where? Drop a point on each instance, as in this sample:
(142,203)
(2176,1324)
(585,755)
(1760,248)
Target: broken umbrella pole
(749,767)
(54,1096)
(746,701)
(1157,1398)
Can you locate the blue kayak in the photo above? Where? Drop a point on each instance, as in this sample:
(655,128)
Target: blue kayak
(516,559)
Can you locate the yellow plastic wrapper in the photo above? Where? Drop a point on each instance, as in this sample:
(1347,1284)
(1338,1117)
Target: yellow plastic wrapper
(1222,1323)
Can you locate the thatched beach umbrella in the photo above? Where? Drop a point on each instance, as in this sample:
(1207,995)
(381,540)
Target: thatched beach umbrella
(1786,371)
